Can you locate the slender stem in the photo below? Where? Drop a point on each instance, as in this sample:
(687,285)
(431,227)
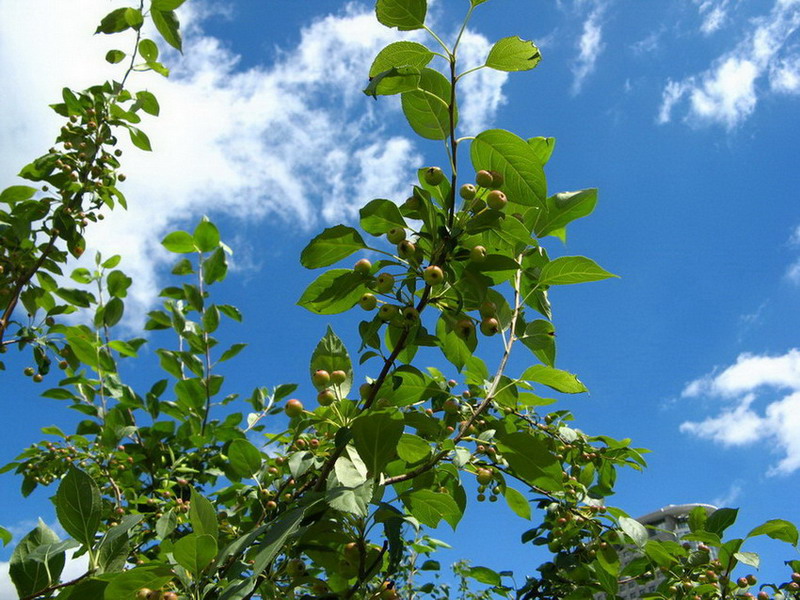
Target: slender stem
(133,54)
(437,38)
(206,347)
(58,586)
(472,70)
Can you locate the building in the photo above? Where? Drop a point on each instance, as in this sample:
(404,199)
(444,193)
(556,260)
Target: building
(668,523)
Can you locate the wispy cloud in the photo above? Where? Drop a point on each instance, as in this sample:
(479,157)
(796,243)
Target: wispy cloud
(294,140)
(590,46)
(792,273)
(714,14)
(732,494)
(740,422)
(727,93)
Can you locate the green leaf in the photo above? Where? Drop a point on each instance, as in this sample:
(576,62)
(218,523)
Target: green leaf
(512,157)
(539,337)
(483,575)
(353,500)
(513,54)
(412,448)
(166,524)
(206,236)
(567,270)
(166,4)
(543,148)
(148,50)
(749,558)
(79,506)
(333,292)
(564,208)
(80,298)
(379,216)
(393,81)
(148,102)
(115,56)
(517,502)
(455,348)
(125,585)
(16,193)
(118,284)
(375,436)
(720,520)
(167,24)
(331,355)
(112,312)
(777,529)
(430,507)
(5,536)
(559,380)
(697,519)
(401,54)
(244,458)
(530,458)
(194,552)
(114,547)
(203,515)
(427,110)
(114,22)
(232,351)
(28,571)
(180,242)
(331,246)
(635,530)
(139,138)
(403,14)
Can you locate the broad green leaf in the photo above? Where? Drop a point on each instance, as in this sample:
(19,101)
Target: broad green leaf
(401,54)
(167,4)
(231,352)
(777,529)
(114,22)
(567,270)
(543,148)
(16,193)
(635,530)
(206,236)
(5,536)
(559,380)
(139,138)
(118,284)
(483,575)
(403,14)
(455,348)
(375,436)
(333,292)
(215,267)
(167,24)
(406,385)
(539,337)
(353,500)
(512,157)
(430,507)
(348,472)
(331,246)
(412,448)
(720,520)
(749,558)
(114,547)
(475,3)
(517,502)
(79,506)
(203,515)
(194,552)
(275,538)
(125,585)
(395,80)
(564,208)
(331,355)
(113,311)
(513,54)
(115,56)
(427,110)
(80,298)
(180,242)
(244,458)
(697,519)
(530,458)
(379,216)
(166,524)
(148,50)
(28,574)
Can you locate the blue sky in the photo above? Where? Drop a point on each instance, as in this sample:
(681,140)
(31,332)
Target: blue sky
(684,113)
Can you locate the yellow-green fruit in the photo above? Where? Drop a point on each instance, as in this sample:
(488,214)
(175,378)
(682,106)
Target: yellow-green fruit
(467,191)
(326,397)
(338,377)
(406,249)
(363,266)
(396,235)
(295,568)
(484,476)
(348,569)
(365,390)
(496,200)
(490,326)
(464,328)
(451,406)
(387,312)
(433,275)
(477,254)
(410,314)
(321,378)
(320,588)
(484,179)
(384,283)
(351,552)
(144,594)
(293,408)
(433,176)
(497,179)
(487,309)
(368,302)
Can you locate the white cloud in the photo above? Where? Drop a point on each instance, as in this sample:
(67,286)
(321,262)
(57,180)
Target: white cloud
(714,14)
(792,273)
(590,46)
(648,44)
(740,422)
(295,140)
(481,93)
(727,499)
(728,92)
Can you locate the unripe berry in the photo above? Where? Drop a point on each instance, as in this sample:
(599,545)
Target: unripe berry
(477,254)
(387,312)
(29,371)
(410,314)
(433,275)
(407,250)
(496,200)
(484,476)
(295,568)
(490,326)
(487,309)
(293,408)
(451,406)
(484,179)
(368,302)
(497,180)
(464,328)
(467,191)
(321,378)
(433,176)
(384,283)
(338,377)
(326,397)
(396,235)
(143,594)
(363,267)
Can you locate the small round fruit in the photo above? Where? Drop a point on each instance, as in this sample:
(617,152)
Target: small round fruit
(433,176)
(169,596)
(490,326)
(29,371)
(348,569)
(464,328)
(496,200)
(487,309)
(363,266)
(338,377)
(762,595)
(467,191)
(365,390)
(293,408)
(477,254)
(351,552)
(271,505)
(484,476)
(406,249)
(410,314)
(321,378)
(411,203)
(384,283)
(433,275)
(396,235)
(143,594)
(320,588)
(484,179)
(451,406)
(38,378)
(387,312)
(295,568)
(368,301)
(497,179)
(326,397)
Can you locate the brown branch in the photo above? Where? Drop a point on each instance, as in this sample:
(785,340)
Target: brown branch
(54,587)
